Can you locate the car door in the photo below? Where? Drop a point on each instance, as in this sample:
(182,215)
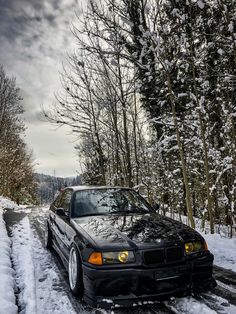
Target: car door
(62,220)
(73,232)
(52,219)
(70,232)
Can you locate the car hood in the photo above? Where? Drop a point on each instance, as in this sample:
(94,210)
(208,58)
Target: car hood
(135,231)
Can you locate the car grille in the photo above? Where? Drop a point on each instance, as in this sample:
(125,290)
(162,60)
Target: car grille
(154,257)
(161,256)
(174,254)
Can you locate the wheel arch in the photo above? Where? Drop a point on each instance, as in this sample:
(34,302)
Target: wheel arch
(78,247)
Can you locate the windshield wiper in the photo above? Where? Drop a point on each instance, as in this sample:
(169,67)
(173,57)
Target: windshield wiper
(133,211)
(90,214)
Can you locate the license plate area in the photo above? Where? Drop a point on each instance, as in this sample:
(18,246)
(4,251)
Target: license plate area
(171,272)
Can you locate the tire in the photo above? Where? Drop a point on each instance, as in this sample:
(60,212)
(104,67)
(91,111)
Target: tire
(48,237)
(75,272)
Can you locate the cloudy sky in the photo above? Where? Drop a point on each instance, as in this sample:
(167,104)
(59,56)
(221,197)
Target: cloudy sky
(35,38)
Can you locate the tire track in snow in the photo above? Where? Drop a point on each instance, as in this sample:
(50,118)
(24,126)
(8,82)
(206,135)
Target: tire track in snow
(24,268)
(216,303)
(189,305)
(36,274)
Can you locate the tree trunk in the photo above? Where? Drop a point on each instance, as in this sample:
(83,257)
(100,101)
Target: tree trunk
(202,131)
(126,137)
(182,157)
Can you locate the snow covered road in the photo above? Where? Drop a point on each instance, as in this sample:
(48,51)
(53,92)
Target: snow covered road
(42,284)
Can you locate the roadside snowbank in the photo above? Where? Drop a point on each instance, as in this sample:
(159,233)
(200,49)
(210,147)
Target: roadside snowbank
(23,263)
(40,287)
(7,299)
(7,203)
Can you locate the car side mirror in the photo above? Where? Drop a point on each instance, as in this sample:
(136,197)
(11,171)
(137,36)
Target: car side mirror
(60,212)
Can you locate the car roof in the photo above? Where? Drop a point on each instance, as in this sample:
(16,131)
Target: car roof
(89,187)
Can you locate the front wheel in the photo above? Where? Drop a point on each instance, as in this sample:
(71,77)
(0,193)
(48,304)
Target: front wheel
(75,272)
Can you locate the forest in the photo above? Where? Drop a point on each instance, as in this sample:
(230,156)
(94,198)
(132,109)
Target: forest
(49,186)
(149,94)
(16,161)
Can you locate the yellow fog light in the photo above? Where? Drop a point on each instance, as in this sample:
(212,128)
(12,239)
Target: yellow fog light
(123,256)
(118,257)
(189,247)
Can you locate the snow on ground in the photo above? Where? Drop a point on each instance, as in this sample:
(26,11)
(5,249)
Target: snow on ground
(7,203)
(7,296)
(220,304)
(45,208)
(189,305)
(36,278)
(223,248)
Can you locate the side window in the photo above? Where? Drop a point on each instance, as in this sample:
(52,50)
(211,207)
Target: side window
(65,201)
(55,203)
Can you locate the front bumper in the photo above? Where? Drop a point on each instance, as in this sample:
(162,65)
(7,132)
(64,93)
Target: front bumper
(126,286)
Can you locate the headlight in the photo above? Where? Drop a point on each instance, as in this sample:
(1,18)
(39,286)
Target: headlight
(106,258)
(195,246)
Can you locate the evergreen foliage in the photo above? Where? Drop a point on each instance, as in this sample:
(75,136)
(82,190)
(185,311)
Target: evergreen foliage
(49,186)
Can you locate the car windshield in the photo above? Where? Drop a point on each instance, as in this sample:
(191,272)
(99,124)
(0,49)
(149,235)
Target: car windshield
(108,201)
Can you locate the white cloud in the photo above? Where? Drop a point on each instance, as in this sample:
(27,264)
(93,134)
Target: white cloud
(35,38)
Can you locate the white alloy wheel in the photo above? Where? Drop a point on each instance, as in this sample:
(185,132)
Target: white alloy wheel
(73,269)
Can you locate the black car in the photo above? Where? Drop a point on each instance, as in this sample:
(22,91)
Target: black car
(116,248)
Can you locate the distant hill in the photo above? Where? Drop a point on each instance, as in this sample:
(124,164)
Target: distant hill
(48,186)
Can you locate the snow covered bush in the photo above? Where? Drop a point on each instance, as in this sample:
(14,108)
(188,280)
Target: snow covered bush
(7,203)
